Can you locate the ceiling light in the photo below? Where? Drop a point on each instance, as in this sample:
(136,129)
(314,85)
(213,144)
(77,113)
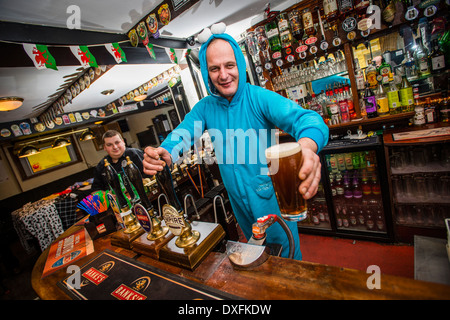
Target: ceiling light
(140,97)
(27,151)
(87,135)
(10,103)
(61,142)
(107,92)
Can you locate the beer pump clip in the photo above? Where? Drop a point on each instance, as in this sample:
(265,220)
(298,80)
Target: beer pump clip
(253,254)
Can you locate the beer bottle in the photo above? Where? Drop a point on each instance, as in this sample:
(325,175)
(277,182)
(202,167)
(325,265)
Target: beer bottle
(135,178)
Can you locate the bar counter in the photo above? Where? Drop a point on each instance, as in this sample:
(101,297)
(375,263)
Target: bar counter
(276,279)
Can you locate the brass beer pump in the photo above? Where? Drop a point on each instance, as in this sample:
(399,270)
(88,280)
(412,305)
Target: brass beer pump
(191,246)
(156,234)
(123,237)
(173,213)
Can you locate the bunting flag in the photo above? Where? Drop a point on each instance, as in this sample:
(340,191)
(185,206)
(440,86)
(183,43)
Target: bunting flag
(143,34)
(172,55)
(177,55)
(116,51)
(83,55)
(40,56)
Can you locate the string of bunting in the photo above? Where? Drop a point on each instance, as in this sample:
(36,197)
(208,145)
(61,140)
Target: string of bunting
(43,59)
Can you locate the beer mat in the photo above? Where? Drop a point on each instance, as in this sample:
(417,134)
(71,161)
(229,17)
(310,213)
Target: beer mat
(111,276)
(418,134)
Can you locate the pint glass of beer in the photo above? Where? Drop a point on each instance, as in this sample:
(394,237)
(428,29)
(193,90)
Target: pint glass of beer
(284,162)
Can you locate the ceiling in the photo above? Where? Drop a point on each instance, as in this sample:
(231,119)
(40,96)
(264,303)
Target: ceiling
(106,20)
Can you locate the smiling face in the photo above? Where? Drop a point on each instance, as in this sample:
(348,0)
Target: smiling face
(114,146)
(222,68)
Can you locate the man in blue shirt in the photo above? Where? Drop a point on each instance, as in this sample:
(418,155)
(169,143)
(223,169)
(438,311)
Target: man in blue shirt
(241,120)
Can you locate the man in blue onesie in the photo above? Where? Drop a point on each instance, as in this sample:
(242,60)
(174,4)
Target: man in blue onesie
(241,120)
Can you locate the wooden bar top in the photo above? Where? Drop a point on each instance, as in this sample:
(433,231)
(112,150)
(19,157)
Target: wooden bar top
(276,279)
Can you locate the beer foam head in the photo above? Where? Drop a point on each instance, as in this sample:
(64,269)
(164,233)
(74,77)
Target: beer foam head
(283,150)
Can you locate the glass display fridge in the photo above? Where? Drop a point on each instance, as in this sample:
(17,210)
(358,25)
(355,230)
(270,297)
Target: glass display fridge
(353,198)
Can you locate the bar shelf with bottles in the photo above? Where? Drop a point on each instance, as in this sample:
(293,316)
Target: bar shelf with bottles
(319,41)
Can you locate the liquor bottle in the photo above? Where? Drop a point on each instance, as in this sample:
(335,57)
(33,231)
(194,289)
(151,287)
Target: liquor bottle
(343,106)
(285,31)
(410,67)
(370,102)
(444,108)
(345,7)
(388,12)
(361,6)
(406,95)
(437,58)
(349,97)
(296,25)
(430,111)
(385,68)
(273,35)
(308,22)
(382,101)
(333,108)
(371,74)
(330,8)
(421,60)
(394,101)
(359,75)
(263,45)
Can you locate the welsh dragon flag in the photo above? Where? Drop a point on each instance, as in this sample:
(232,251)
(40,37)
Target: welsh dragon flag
(83,55)
(116,51)
(40,56)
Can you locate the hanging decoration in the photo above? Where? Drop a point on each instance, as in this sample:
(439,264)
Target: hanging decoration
(40,56)
(152,24)
(164,14)
(143,35)
(83,55)
(116,51)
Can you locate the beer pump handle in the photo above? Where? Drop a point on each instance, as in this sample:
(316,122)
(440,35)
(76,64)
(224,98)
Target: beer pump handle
(164,179)
(135,178)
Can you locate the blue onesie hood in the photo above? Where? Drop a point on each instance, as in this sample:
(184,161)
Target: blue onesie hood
(242,68)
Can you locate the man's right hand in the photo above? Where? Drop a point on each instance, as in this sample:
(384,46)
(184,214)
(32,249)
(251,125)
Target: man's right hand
(155,159)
